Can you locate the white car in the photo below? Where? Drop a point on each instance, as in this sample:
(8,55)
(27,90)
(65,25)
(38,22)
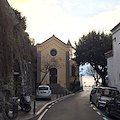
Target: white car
(102,95)
(43,91)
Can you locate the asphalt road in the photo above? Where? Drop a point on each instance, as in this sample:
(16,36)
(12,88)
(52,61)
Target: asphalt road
(76,107)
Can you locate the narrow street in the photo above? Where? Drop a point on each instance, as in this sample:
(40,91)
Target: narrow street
(74,108)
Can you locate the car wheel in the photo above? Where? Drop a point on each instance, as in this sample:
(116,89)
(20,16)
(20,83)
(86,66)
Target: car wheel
(107,111)
(91,100)
(97,104)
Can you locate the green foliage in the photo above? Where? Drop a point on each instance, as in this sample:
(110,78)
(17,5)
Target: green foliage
(21,20)
(91,49)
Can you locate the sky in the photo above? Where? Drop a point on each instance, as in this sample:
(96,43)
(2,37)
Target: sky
(67,19)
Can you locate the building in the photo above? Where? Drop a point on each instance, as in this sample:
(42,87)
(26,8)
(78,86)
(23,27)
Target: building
(55,66)
(113,59)
(32,40)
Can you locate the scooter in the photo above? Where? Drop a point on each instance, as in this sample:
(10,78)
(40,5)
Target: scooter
(25,102)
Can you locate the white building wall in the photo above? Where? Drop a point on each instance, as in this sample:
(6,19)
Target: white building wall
(88,81)
(111,77)
(114,62)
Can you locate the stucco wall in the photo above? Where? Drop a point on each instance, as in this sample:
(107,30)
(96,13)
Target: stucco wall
(116,58)
(114,61)
(111,77)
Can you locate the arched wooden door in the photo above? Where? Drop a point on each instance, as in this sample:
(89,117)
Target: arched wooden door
(53,76)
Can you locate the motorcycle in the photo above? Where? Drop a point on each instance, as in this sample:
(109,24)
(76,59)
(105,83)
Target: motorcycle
(25,102)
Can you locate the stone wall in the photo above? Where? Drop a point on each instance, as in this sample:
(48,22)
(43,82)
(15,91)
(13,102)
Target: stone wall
(16,63)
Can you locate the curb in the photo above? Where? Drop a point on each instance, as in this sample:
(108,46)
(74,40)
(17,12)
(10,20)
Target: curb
(49,103)
(100,113)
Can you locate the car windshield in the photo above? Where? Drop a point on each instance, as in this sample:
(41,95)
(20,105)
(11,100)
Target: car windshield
(110,92)
(43,88)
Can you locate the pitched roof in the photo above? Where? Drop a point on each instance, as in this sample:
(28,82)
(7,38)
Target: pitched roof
(118,25)
(50,38)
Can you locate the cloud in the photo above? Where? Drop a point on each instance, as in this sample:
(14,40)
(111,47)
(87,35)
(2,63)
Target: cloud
(87,8)
(45,13)
(67,18)
(18,4)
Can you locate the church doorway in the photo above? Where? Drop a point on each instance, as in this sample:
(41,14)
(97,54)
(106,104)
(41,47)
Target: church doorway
(53,76)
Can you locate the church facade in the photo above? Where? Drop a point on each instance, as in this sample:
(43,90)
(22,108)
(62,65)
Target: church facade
(55,64)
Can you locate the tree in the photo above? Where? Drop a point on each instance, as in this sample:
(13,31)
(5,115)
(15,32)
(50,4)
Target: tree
(21,20)
(75,74)
(91,72)
(91,48)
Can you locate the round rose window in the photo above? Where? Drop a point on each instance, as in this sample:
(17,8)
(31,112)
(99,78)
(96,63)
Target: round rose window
(53,52)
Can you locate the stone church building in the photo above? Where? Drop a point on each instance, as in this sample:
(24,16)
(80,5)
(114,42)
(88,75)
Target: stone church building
(55,66)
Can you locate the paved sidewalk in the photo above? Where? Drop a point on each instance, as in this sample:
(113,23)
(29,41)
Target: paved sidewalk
(22,115)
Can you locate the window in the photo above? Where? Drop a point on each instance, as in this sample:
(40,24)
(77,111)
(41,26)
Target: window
(117,99)
(53,52)
(43,88)
(110,92)
(93,90)
(73,70)
(99,90)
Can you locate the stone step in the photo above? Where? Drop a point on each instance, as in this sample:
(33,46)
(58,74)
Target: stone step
(57,89)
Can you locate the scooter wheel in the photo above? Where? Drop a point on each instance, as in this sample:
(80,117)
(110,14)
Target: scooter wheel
(27,108)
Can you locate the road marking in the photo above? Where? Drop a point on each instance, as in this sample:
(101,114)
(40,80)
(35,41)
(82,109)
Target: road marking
(60,100)
(56,102)
(104,117)
(49,106)
(100,113)
(41,116)
(94,108)
(53,103)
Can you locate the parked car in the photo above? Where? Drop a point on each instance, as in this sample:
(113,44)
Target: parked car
(113,107)
(43,91)
(102,95)
(93,91)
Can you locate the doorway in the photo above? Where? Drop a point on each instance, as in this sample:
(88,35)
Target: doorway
(53,76)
